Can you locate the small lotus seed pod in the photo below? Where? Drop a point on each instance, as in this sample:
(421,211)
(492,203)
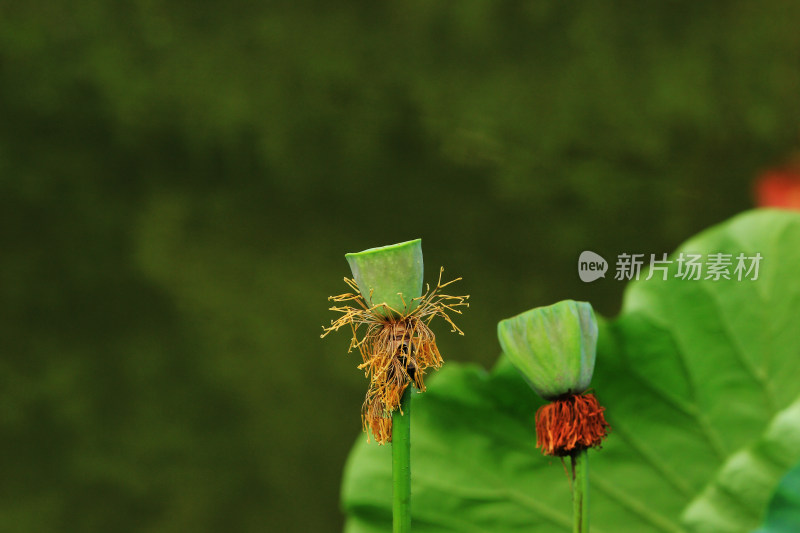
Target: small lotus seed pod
(554,347)
(391,275)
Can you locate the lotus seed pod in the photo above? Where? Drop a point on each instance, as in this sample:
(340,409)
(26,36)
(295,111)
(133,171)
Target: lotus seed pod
(554,347)
(396,343)
(391,275)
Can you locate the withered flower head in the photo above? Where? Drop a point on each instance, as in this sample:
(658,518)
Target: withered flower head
(555,348)
(396,343)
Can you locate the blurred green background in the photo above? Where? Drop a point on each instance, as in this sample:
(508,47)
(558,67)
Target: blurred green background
(179,182)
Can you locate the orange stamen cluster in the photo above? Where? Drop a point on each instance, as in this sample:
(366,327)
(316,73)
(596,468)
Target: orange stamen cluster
(397,348)
(570,425)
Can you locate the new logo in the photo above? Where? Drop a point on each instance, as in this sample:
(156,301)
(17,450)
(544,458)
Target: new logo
(591,266)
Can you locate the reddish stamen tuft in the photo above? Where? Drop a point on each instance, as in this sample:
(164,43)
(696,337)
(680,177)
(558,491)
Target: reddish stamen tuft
(570,424)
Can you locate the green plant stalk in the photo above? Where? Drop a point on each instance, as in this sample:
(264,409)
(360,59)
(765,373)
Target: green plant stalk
(401,465)
(580,492)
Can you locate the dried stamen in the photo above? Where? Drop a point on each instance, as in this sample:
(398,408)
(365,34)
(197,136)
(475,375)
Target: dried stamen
(397,348)
(374,418)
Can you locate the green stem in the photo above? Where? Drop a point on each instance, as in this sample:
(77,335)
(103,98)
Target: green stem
(580,492)
(401,465)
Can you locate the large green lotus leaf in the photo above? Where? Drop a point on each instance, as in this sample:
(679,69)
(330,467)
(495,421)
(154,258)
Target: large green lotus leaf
(700,379)
(783,514)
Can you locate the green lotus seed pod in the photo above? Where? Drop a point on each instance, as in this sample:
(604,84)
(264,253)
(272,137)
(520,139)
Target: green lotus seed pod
(553,347)
(389,274)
